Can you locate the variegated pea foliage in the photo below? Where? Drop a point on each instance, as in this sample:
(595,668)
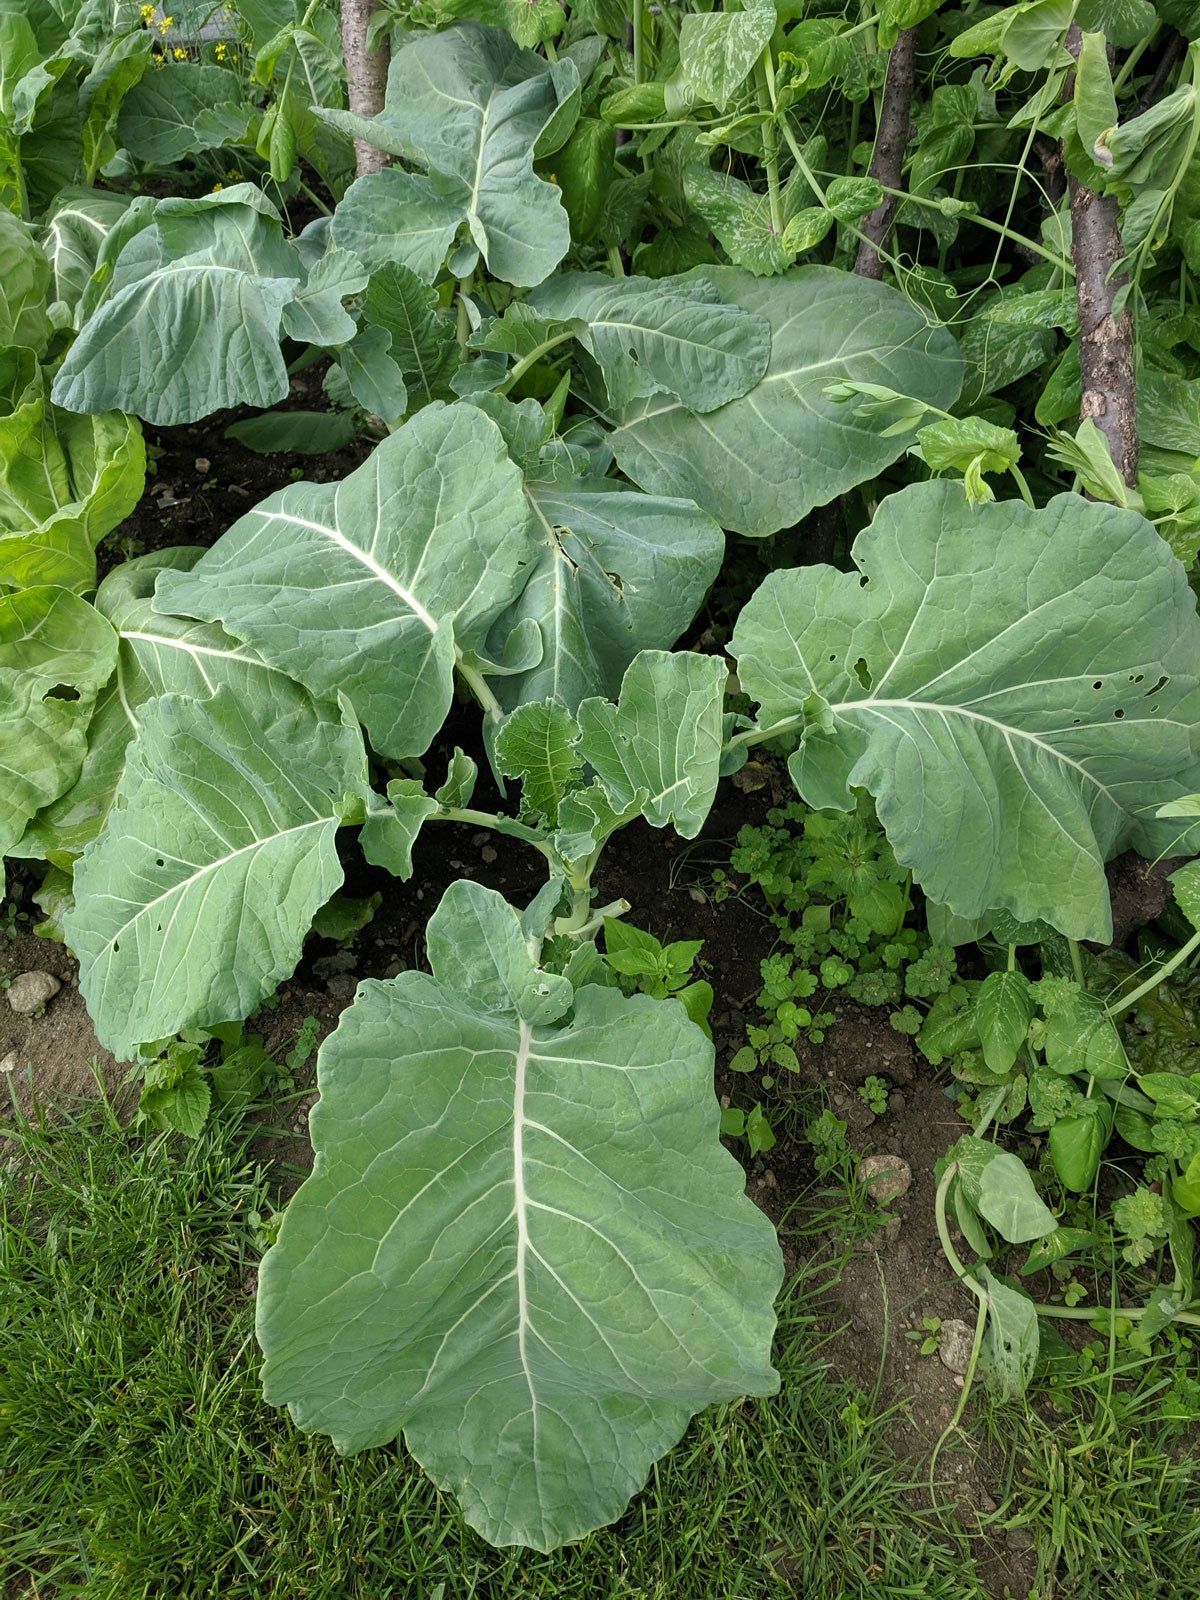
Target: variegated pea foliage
(522,1246)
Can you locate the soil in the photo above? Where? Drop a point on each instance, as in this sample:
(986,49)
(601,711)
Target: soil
(203,482)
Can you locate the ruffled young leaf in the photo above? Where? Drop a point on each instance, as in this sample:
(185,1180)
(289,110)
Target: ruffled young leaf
(659,747)
(370,586)
(221,839)
(471,107)
(970,676)
(423,344)
(537,745)
(1012,1339)
(390,831)
(652,335)
(24,286)
(538,1211)
(763,461)
(65,482)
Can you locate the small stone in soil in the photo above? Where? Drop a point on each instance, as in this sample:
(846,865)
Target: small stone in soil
(202,463)
(886,1177)
(9,1064)
(955,1339)
(29,991)
(488,853)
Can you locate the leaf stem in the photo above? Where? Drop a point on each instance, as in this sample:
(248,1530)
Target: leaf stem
(638,24)
(766,100)
(1127,1002)
(477,684)
(521,367)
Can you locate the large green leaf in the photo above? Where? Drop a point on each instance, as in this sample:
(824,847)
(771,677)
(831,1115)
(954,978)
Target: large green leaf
(194,901)
(1017,689)
(156,654)
(187,107)
(661,335)
(523,1246)
(193,321)
(469,106)
(24,286)
(374,585)
(763,461)
(65,482)
(616,572)
(56,653)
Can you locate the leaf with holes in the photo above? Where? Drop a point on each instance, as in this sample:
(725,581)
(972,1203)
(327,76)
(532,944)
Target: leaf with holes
(522,1247)
(1015,687)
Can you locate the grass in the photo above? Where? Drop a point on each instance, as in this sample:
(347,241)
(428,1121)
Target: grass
(137,1460)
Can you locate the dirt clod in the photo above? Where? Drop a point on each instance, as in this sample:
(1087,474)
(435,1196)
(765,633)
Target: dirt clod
(955,1339)
(29,992)
(887,1177)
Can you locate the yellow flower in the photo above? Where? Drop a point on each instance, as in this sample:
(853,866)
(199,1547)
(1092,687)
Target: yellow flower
(220,51)
(234,175)
(217,186)
(167,22)
(146,13)
(179,53)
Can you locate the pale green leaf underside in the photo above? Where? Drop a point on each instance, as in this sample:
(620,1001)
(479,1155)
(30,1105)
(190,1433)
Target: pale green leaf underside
(366,586)
(1017,689)
(194,901)
(469,105)
(522,1245)
(763,461)
(156,654)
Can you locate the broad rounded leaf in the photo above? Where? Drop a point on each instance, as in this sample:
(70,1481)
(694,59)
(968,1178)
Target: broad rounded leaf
(1015,687)
(194,901)
(763,461)
(668,334)
(368,586)
(522,1246)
